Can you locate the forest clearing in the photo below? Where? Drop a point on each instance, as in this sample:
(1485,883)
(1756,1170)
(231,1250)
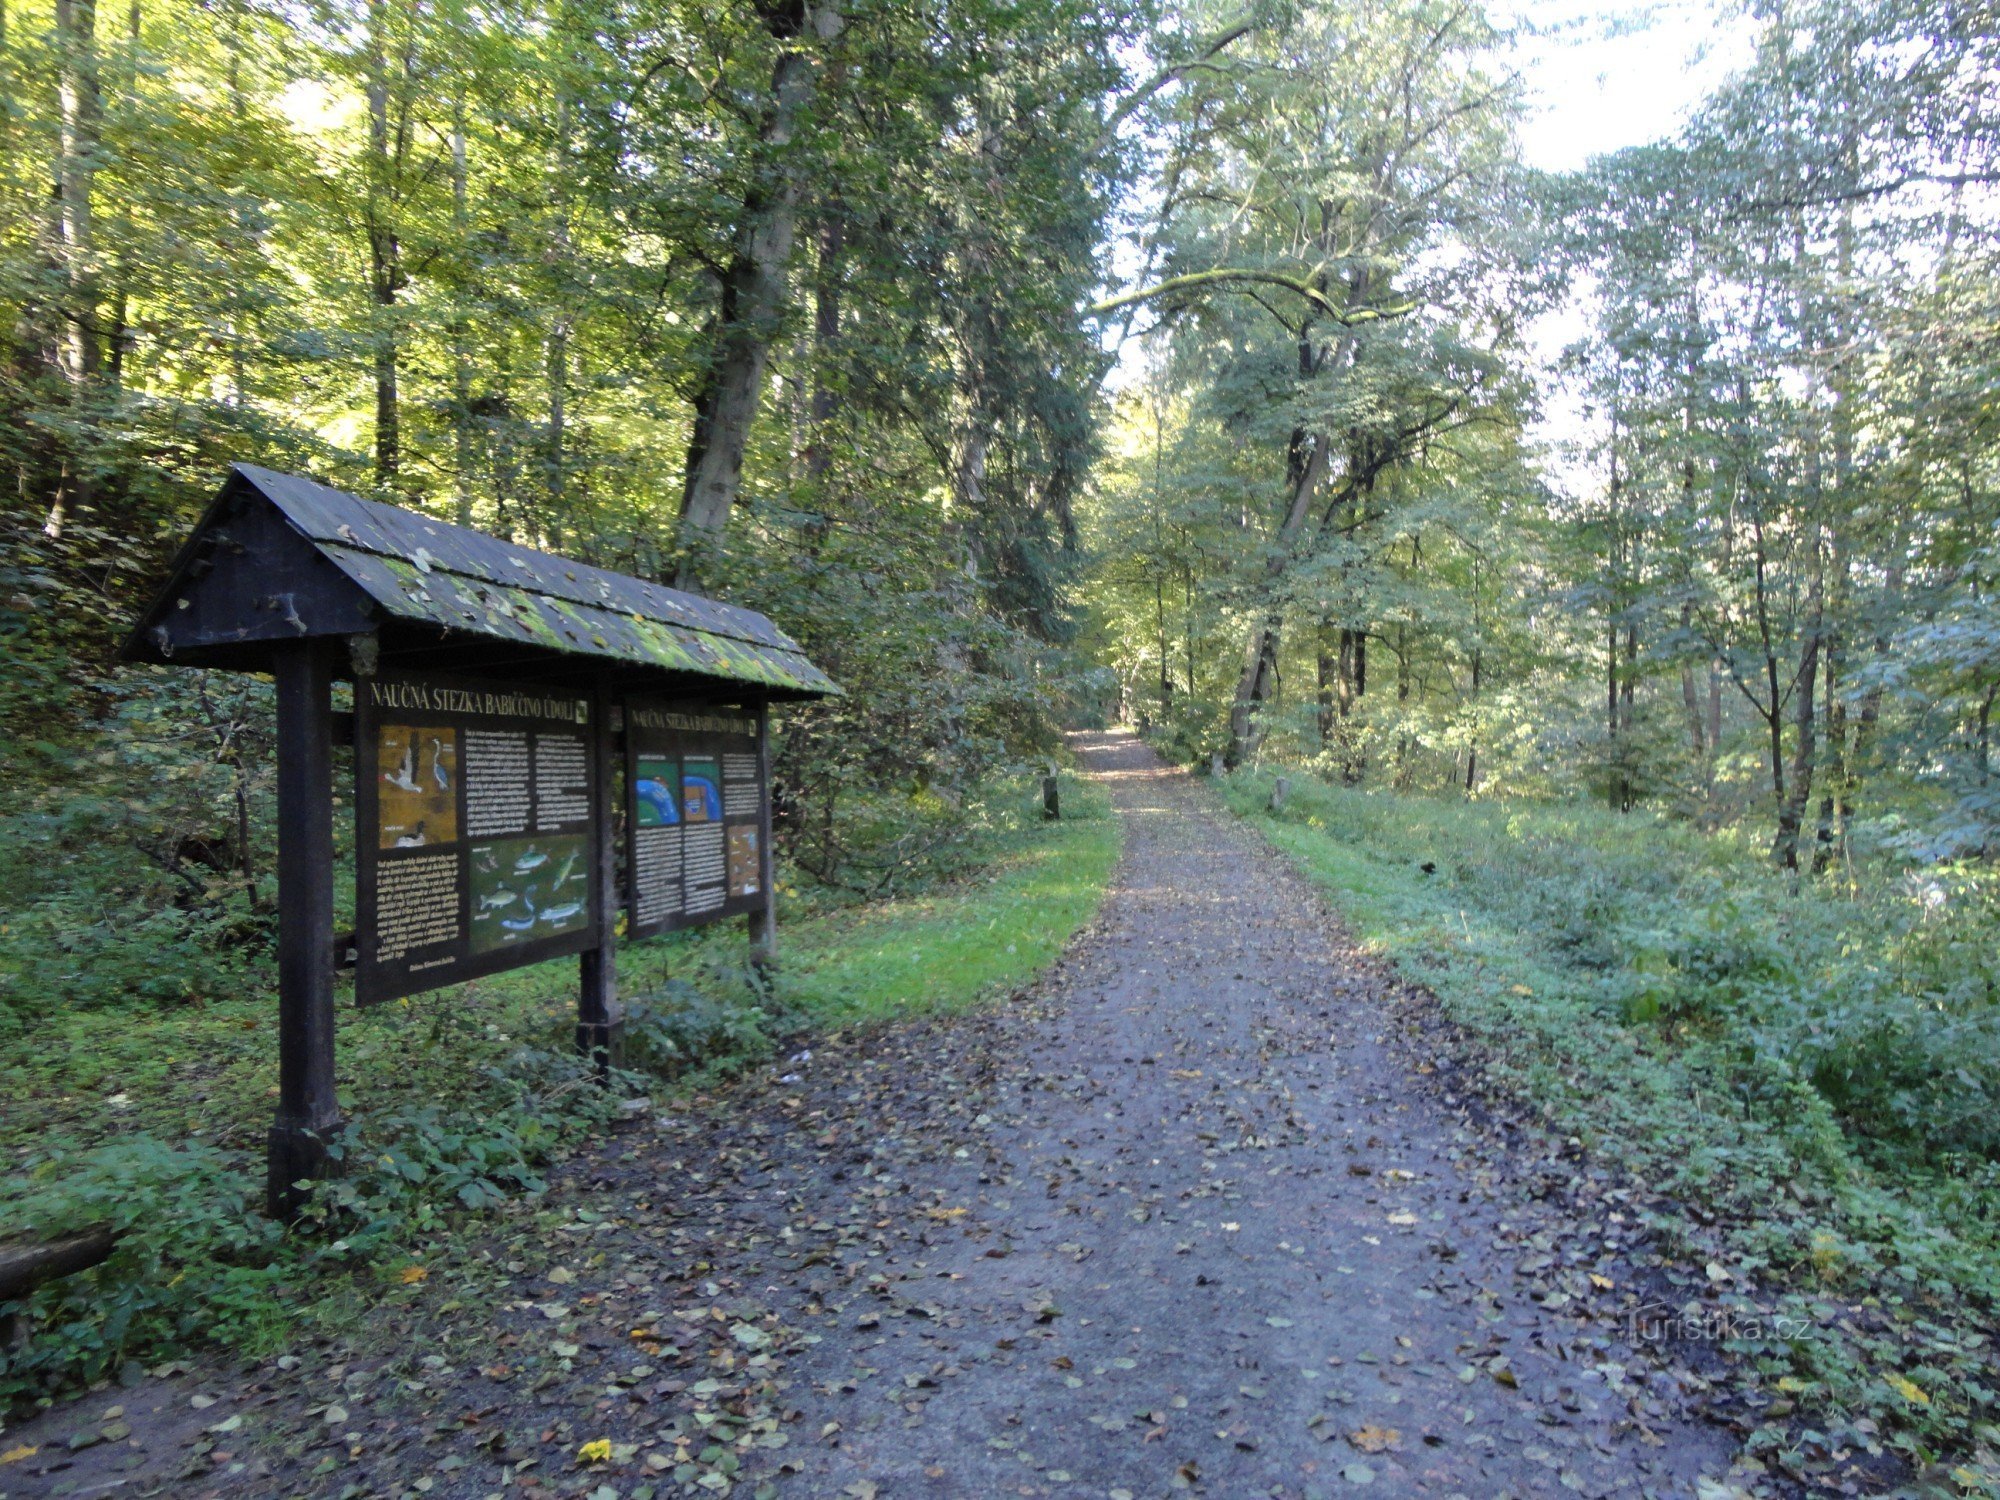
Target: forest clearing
(1341,656)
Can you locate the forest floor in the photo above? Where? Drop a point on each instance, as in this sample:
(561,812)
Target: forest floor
(1204,1211)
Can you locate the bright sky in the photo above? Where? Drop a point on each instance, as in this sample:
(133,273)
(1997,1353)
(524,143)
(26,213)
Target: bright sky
(1602,77)
(1619,73)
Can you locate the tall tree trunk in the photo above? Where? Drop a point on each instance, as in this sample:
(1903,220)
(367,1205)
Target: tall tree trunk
(1618,792)
(1472,751)
(1827,849)
(385,253)
(1791,811)
(1255,682)
(753,289)
(461,329)
(1308,457)
(81,106)
(1329,679)
(1478,654)
(1691,698)
(1615,795)
(832,250)
(560,324)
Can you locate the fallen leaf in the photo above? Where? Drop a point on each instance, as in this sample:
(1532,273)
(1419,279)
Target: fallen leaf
(596,1451)
(414,1274)
(1908,1389)
(1373,1439)
(15,1455)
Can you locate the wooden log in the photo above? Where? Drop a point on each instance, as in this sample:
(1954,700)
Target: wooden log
(25,1265)
(1051,797)
(1279,791)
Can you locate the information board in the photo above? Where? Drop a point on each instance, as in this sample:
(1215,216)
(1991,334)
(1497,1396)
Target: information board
(475,841)
(694,814)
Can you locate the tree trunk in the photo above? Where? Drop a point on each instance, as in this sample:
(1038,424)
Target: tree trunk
(1329,683)
(385,253)
(461,334)
(1827,850)
(1351,684)
(1791,811)
(1615,793)
(826,338)
(1255,682)
(81,105)
(1472,751)
(559,329)
(753,290)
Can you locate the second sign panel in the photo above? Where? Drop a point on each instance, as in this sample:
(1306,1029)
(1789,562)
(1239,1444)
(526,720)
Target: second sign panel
(695,814)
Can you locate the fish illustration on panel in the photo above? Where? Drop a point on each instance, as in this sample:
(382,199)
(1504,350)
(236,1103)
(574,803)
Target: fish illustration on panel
(528,889)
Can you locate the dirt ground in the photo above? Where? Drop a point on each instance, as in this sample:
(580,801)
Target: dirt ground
(1207,1212)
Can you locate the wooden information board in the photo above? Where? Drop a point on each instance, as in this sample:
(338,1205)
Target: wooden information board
(696,817)
(475,830)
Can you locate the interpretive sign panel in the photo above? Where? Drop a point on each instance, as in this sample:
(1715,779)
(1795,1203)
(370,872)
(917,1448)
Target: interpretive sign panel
(474,834)
(695,815)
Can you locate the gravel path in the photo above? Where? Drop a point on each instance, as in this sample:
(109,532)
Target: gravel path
(1199,1214)
(1212,1234)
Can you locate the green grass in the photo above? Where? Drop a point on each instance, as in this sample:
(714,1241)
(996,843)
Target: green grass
(152,1115)
(1773,1062)
(951,949)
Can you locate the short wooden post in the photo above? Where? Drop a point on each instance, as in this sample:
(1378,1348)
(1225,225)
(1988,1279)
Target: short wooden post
(600,1030)
(763,921)
(1215,766)
(308,1115)
(1051,798)
(1280,790)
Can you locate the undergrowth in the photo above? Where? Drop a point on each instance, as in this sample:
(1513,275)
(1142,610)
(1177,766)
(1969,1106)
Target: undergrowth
(143,1104)
(1812,1074)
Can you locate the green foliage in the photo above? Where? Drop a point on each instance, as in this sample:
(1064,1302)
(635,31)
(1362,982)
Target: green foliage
(1815,1074)
(145,1113)
(677,1027)
(195,1259)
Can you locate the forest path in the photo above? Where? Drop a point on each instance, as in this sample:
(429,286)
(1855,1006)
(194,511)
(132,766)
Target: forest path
(1208,1232)
(1187,1217)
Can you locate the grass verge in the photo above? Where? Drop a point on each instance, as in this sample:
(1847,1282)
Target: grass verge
(1746,1052)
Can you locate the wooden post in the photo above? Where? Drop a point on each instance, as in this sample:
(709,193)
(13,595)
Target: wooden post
(1051,797)
(763,922)
(599,1023)
(1280,790)
(1215,765)
(308,1113)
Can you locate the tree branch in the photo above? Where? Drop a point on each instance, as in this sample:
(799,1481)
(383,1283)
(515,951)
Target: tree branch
(1228,275)
(1171,74)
